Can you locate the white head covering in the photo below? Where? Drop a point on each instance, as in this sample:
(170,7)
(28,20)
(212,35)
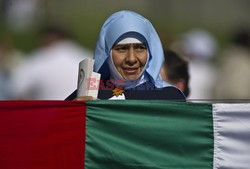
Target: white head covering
(129,40)
(128,24)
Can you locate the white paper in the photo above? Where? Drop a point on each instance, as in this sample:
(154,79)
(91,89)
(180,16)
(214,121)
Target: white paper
(88,81)
(93,85)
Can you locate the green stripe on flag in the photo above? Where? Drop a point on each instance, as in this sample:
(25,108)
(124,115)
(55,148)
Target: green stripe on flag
(148,134)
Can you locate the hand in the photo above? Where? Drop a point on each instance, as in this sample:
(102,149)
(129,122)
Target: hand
(84,98)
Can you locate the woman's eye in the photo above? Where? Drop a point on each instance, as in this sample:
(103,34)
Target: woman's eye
(121,48)
(140,47)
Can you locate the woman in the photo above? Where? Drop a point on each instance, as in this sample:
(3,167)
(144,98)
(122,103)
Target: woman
(129,57)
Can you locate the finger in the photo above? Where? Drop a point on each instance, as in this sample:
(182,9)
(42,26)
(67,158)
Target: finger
(84,98)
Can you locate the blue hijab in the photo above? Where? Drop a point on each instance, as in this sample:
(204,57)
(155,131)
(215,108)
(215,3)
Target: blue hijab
(122,24)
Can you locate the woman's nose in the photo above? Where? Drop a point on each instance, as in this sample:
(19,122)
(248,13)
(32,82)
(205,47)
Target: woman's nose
(131,58)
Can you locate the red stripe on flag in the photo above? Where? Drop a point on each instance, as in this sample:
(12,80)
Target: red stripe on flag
(42,134)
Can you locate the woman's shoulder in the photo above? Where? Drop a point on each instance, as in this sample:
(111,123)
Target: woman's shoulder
(166,93)
(173,93)
(143,92)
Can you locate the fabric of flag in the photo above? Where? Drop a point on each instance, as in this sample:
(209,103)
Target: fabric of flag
(119,134)
(231,136)
(42,135)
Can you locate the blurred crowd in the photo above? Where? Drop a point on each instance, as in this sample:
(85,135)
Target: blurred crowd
(216,73)
(47,73)
(50,71)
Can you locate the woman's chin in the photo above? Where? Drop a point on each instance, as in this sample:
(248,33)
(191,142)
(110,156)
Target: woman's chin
(131,78)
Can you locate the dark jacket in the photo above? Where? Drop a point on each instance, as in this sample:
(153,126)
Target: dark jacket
(145,91)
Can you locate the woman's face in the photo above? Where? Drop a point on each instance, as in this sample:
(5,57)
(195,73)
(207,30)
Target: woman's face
(129,59)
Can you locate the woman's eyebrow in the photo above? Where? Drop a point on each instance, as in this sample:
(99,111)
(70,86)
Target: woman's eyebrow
(121,45)
(128,45)
(139,44)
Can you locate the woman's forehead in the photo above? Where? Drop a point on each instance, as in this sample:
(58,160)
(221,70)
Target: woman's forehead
(129,44)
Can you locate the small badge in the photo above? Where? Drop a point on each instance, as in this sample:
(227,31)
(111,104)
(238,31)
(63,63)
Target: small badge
(118,91)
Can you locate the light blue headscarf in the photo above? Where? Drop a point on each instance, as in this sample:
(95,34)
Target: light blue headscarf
(119,25)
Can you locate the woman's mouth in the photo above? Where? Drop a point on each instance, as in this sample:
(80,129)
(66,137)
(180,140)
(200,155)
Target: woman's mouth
(130,71)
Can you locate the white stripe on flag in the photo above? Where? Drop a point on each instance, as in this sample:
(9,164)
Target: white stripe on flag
(231,136)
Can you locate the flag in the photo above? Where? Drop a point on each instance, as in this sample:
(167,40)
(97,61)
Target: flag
(41,135)
(121,134)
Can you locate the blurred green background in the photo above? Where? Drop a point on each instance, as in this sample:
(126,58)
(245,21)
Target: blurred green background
(84,18)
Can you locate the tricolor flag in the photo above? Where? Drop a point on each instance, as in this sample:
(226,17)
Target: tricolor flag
(124,134)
